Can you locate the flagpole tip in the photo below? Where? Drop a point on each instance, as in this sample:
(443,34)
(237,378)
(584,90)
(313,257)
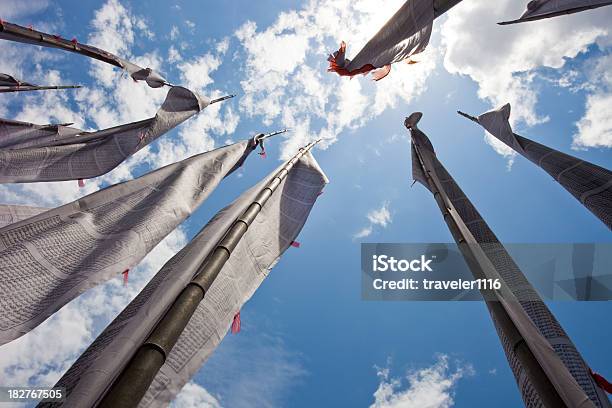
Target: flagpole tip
(411,121)
(470,117)
(223,98)
(262,136)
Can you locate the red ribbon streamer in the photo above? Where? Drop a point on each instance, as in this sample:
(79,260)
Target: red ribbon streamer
(295,244)
(335,67)
(125,277)
(602,382)
(236,323)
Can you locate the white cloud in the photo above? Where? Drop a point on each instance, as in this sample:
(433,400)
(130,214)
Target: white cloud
(363,233)
(174,55)
(220,119)
(431,387)
(190,24)
(113,31)
(195,73)
(174,33)
(380,216)
(194,396)
(503,60)
(13,9)
(595,127)
(143,27)
(377,217)
(285,79)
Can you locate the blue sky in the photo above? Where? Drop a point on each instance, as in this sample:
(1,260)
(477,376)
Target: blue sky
(307,339)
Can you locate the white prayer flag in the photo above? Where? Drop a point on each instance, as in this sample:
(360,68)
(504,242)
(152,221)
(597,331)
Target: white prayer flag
(271,233)
(86,155)
(407,33)
(541,9)
(51,258)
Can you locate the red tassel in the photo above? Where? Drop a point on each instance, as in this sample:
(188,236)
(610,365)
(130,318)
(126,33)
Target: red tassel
(602,382)
(81,183)
(262,153)
(335,67)
(125,277)
(236,323)
(74,41)
(295,244)
(320,193)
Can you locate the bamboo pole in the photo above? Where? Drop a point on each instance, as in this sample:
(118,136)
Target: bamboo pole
(135,379)
(25,88)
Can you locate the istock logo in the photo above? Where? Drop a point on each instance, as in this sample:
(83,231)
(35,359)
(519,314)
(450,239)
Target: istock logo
(383,263)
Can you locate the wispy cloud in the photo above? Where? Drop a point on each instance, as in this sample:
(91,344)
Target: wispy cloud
(195,396)
(595,127)
(12,9)
(431,387)
(380,217)
(234,373)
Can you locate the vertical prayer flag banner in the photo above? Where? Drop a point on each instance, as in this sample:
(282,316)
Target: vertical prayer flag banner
(270,234)
(587,182)
(51,258)
(407,33)
(17,33)
(541,9)
(64,155)
(525,323)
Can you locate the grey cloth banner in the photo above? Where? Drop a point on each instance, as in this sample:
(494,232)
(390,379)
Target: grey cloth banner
(276,226)
(14,32)
(8,80)
(51,258)
(20,135)
(88,155)
(588,183)
(541,9)
(405,34)
(10,214)
(543,334)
